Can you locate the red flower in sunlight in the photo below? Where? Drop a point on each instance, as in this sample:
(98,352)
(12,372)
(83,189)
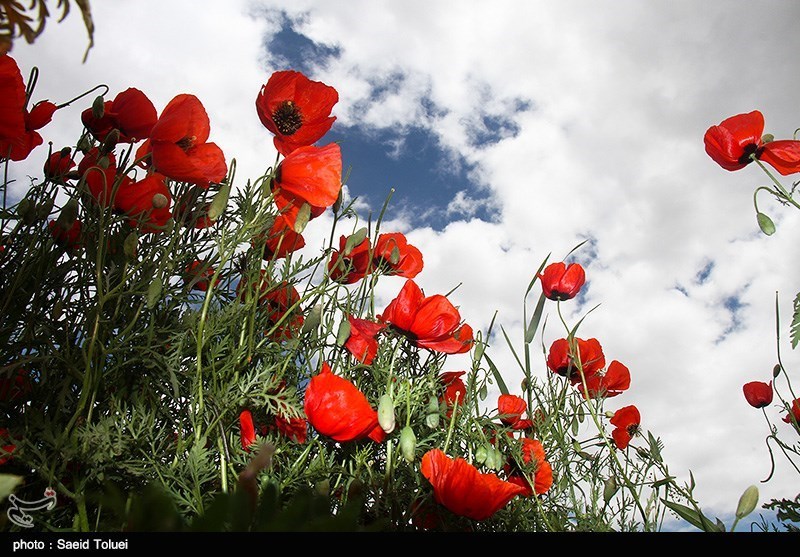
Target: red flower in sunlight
(795,413)
(395,256)
(567,361)
(100,174)
(146,202)
(310,175)
(179,146)
(737,139)
(279,301)
(248,429)
(69,238)
(758,394)
(337,409)
(533,460)
(562,282)
(195,272)
(351,266)
(362,343)
(432,322)
(511,408)
(58,164)
(130,113)
(293,428)
(616,379)
(280,240)
(626,420)
(463,490)
(454,389)
(7,448)
(296,109)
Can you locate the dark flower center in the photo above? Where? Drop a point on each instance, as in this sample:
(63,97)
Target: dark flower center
(287,118)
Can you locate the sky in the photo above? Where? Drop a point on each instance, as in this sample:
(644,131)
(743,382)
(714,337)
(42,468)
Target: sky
(511,131)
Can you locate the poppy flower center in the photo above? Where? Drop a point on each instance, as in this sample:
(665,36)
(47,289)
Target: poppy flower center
(187,142)
(287,118)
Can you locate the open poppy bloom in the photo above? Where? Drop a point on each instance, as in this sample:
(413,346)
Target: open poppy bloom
(310,175)
(461,488)
(568,361)
(146,202)
(534,467)
(337,409)
(280,240)
(193,273)
(393,255)
(296,109)
(758,394)
(626,421)
(562,282)
(69,238)
(429,322)
(130,113)
(248,430)
(281,304)
(616,379)
(58,164)
(349,267)
(362,343)
(179,146)
(795,413)
(736,140)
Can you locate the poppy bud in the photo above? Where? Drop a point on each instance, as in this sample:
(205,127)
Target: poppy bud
(160,201)
(98,107)
(386,413)
(408,443)
(747,502)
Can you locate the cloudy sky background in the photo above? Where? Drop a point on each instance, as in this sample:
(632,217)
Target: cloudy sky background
(511,130)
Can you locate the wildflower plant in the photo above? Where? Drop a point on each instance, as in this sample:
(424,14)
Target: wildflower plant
(170,359)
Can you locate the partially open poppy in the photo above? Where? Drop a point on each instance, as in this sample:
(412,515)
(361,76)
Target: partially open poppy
(337,409)
(351,266)
(310,175)
(461,488)
(362,343)
(429,322)
(616,379)
(758,394)
(626,421)
(737,140)
(179,146)
(569,359)
(131,113)
(296,109)
(248,430)
(146,202)
(562,282)
(393,255)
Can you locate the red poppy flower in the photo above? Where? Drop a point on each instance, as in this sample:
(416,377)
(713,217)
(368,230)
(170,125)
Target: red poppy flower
(337,409)
(562,282)
(58,164)
(349,267)
(248,429)
(130,113)
(431,322)
(179,145)
(566,361)
(758,394)
(626,420)
(192,273)
(146,202)
(69,238)
(454,389)
(296,109)
(395,256)
(362,343)
(280,240)
(511,408)
(280,302)
(99,172)
(533,458)
(736,139)
(461,488)
(616,379)
(294,428)
(8,448)
(310,175)
(794,413)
